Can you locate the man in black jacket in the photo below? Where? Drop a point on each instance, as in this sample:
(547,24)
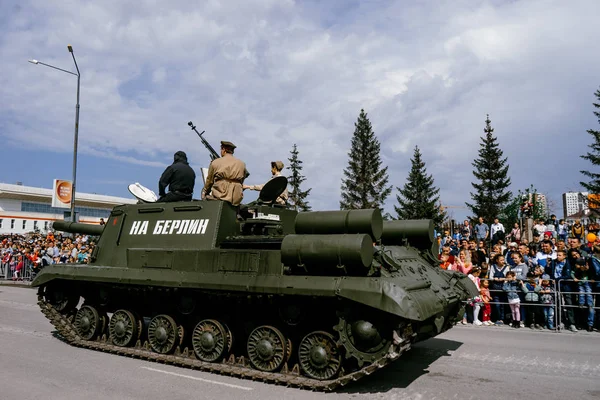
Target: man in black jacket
(180,179)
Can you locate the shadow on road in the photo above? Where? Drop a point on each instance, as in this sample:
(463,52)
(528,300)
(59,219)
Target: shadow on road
(408,368)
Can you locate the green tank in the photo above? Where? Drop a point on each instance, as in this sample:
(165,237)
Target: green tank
(313,300)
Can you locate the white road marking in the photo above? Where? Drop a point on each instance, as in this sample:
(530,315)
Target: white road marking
(199,379)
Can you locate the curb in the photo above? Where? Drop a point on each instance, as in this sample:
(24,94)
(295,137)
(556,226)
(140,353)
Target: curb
(20,284)
(507,328)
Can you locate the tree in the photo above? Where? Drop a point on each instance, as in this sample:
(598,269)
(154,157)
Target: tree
(365,182)
(419,198)
(593,185)
(491,170)
(297,197)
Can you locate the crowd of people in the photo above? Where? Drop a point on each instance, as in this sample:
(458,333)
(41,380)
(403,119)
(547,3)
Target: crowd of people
(23,256)
(523,283)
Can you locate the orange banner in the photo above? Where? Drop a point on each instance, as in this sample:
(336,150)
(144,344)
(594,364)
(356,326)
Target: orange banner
(594,201)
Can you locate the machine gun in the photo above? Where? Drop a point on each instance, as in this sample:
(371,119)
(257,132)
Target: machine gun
(213,154)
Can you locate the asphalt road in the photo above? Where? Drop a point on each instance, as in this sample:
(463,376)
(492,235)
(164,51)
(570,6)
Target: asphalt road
(464,363)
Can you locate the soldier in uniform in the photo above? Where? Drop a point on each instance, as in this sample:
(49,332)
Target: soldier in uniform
(276,167)
(225,177)
(180,178)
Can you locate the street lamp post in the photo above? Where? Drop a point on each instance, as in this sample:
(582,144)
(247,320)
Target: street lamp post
(76,138)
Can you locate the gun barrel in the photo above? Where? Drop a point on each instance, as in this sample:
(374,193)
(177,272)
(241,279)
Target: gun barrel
(77,227)
(213,154)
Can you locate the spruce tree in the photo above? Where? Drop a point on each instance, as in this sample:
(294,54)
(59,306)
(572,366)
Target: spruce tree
(297,197)
(593,185)
(491,170)
(419,198)
(365,182)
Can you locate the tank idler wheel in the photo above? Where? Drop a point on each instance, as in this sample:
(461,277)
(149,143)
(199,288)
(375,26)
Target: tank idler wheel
(163,334)
(267,348)
(89,322)
(60,298)
(124,328)
(319,356)
(210,341)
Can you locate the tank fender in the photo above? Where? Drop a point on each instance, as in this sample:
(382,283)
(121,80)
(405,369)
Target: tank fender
(464,284)
(415,301)
(52,272)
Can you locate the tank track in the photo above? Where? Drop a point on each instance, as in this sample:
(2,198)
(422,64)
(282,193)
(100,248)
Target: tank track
(232,366)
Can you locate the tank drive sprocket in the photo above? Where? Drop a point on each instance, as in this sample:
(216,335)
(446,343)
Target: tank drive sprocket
(362,339)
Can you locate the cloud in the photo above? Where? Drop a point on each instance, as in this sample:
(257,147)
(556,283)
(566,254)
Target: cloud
(268,74)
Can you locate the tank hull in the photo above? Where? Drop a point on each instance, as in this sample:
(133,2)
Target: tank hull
(412,297)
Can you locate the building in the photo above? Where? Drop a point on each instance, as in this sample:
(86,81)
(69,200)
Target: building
(586,217)
(543,202)
(25,209)
(574,202)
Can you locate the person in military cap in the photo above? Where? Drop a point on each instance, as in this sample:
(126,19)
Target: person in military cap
(180,178)
(276,167)
(225,177)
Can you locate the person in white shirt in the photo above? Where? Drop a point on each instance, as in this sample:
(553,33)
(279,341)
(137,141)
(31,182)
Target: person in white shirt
(563,230)
(540,227)
(497,231)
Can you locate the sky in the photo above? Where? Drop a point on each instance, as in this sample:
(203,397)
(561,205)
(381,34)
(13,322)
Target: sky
(267,74)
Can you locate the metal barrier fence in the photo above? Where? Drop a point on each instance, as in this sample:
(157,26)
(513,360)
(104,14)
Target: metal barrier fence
(565,301)
(8,270)
(588,295)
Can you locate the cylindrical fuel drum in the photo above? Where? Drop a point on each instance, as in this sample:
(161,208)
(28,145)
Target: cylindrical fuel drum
(418,232)
(339,222)
(319,253)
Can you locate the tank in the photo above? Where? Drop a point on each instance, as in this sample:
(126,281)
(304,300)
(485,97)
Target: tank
(312,300)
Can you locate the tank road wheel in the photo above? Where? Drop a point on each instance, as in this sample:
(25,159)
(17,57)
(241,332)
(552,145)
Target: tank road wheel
(61,298)
(267,348)
(319,356)
(88,322)
(210,340)
(288,350)
(163,334)
(363,340)
(229,339)
(123,328)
